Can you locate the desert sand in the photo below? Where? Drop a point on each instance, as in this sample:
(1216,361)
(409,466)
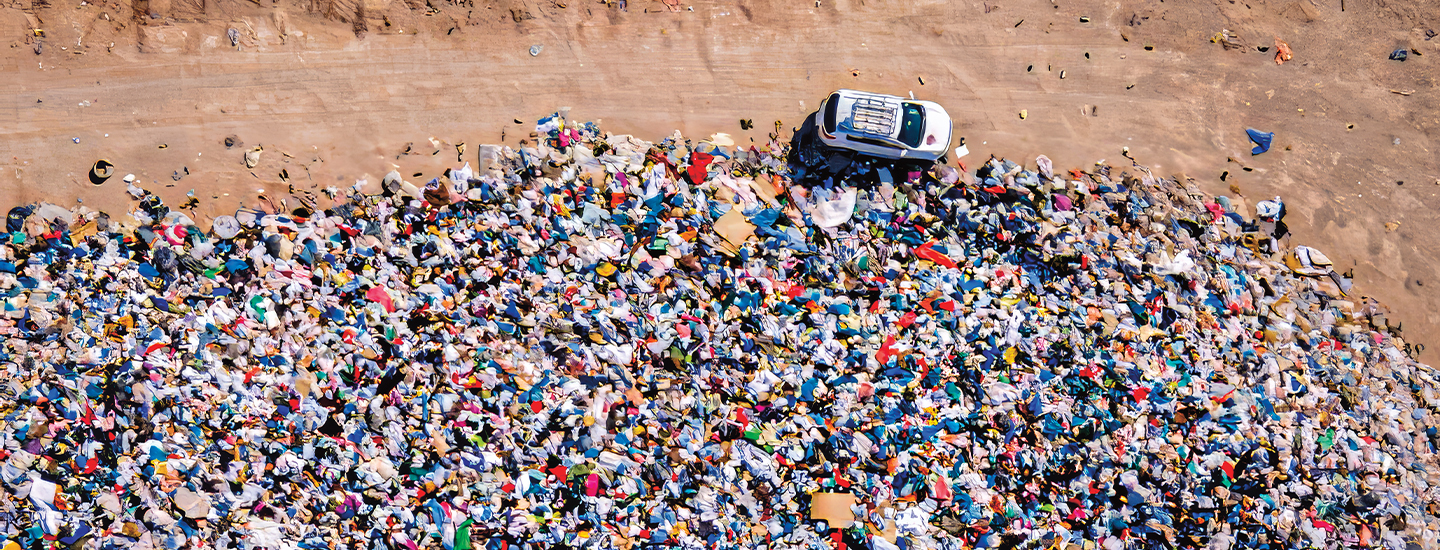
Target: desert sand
(335,90)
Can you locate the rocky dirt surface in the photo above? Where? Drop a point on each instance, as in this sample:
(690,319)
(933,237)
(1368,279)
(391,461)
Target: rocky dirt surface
(337,90)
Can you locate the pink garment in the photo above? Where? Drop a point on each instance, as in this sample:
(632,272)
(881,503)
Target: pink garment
(1215,210)
(1062,203)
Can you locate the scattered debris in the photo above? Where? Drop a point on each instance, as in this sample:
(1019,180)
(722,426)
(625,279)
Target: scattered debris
(1282,51)
(1261,140)
(1228,39)
(252,157)
(101,171)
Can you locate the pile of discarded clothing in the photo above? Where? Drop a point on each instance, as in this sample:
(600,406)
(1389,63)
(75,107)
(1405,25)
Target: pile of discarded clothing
(598,341)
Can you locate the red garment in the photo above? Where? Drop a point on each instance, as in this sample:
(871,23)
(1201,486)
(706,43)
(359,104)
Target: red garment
(883,356)
(907,319)
(377,294)
(655,156)
(1140,394)
(699,162)
(926,252)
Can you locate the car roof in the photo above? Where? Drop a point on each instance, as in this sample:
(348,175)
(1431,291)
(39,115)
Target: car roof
(868,114)
(874,115)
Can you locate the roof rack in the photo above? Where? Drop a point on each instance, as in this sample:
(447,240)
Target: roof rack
(874,116)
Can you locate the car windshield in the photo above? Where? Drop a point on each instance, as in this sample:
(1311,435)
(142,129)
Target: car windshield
(912,125)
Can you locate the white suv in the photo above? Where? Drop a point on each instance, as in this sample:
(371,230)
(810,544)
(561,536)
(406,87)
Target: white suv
(884,126)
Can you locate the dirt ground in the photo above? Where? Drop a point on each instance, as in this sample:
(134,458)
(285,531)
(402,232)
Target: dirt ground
(336,90)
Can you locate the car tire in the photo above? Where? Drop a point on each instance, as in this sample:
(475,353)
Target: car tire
(812,151)
(809,150)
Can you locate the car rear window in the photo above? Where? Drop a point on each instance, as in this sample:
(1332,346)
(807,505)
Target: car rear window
(912,125)
(830,107)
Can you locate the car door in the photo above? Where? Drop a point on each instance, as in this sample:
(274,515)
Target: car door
(875,147)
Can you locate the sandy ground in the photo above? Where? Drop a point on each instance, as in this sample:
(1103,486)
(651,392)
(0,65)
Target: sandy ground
(334,90)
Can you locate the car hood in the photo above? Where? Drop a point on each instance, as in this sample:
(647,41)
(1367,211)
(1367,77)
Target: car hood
(937,126)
